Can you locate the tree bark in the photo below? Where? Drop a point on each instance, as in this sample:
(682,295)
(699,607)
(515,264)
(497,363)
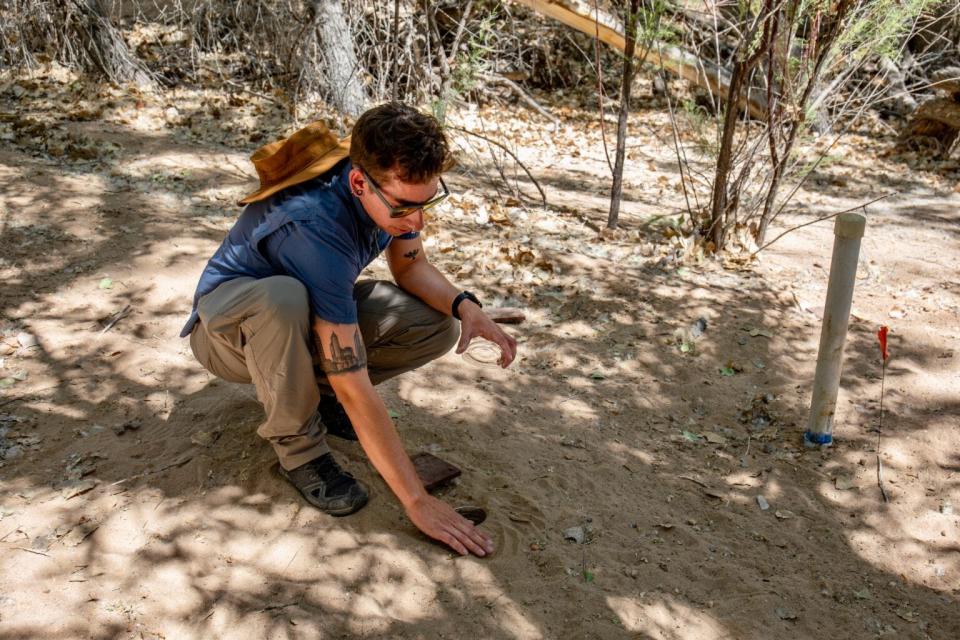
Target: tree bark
(718,201)
(103,49)
(616,190)
(329,65)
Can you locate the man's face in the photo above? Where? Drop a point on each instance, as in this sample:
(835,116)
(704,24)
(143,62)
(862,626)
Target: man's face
(377,198)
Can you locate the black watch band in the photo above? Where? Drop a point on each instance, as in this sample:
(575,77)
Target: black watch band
(464,295)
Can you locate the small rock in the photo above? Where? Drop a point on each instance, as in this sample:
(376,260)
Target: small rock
(762,503)
(783,514)
(577,534)
(844,483)
(133,425)
(631,572)
(714,438)
(698,328)
(906,614)
(204,438)
(863,594)
(78,488)
(946,509)
(12,453)
(785,614)
(26,340)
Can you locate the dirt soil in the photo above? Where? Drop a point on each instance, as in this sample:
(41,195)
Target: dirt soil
(136,500)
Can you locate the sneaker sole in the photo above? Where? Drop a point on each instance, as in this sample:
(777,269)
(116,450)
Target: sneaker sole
(345,511)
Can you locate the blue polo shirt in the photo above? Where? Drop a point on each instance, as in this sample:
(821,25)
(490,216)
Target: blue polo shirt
(316,232)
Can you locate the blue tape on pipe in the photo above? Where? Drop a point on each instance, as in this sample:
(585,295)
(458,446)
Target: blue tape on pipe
(818,438)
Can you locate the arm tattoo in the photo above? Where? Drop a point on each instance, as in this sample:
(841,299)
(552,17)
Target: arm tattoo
(336,359)
(411,254)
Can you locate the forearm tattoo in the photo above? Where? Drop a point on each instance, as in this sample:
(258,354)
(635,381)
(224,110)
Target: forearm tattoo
(411,254)
(335,358)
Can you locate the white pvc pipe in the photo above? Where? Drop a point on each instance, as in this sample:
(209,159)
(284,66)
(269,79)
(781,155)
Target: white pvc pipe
(848,231)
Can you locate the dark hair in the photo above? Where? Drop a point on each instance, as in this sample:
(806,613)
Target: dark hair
(397,136)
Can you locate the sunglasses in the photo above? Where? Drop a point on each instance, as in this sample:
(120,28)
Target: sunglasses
(404,210)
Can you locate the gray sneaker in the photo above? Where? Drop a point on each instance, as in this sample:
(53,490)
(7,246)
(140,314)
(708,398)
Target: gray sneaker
(327,487)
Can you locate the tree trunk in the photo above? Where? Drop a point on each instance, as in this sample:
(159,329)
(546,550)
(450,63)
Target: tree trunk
(103,49)
(329,66)
(616,190)
(718,202)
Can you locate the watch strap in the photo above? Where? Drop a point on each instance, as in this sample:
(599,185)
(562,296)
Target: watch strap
(464,295)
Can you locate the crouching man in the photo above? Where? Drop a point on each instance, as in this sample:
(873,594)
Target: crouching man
(279,305)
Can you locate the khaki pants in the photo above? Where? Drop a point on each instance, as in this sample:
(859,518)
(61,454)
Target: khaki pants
(259,331)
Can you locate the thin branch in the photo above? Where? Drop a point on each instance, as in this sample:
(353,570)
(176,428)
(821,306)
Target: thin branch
(827,217)
(543,195)
(596,46)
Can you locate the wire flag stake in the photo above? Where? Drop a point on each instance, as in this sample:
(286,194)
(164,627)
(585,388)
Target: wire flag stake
(882,337)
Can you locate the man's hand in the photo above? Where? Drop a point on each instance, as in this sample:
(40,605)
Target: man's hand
(474,323)
(439,521)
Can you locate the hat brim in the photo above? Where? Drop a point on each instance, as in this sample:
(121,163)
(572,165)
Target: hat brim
(319,167)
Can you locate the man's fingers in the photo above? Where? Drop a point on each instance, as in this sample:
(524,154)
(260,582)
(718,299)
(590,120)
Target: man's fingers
(475,547)
(508,349)
(475,535)
(451,541)
(465,338)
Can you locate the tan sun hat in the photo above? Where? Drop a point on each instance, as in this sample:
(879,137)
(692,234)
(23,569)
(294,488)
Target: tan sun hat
(306,154)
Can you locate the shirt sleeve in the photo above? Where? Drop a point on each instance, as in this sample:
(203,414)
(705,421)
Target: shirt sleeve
(324,267)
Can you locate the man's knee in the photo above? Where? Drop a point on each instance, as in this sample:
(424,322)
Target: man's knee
(448,333)
(285,298)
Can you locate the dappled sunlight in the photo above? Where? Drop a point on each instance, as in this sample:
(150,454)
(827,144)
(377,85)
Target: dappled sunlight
(203,560)
(666,618)
(629,454)
(142,502)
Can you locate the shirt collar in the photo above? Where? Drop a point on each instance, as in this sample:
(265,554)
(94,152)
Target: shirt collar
(344,186)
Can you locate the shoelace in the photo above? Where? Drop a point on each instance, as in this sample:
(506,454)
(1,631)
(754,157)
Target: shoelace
(332,474)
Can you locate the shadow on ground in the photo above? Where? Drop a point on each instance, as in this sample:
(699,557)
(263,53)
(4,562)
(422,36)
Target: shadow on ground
(603,423)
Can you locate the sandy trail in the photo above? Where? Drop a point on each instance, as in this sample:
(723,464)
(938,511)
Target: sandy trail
(136,500)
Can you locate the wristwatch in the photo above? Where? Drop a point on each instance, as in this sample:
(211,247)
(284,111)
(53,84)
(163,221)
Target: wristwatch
(464,295)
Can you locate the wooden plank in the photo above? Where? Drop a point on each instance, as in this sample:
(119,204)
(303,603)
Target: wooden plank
(433,471)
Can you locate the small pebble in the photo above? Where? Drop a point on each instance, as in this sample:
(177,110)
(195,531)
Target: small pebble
(26,340)
(762,503)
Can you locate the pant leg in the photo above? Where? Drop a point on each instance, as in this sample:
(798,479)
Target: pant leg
(258,330)
(400,331)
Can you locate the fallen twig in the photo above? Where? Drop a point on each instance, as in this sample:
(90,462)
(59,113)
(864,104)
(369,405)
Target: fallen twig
(274,607)
(176,463)
(115,318)
(543,195)
(523,95)
(39,553)
(695,481)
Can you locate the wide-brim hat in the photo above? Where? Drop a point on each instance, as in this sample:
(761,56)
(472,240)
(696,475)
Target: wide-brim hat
(306,154)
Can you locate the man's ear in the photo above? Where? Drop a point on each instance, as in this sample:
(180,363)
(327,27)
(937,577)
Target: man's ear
(357,181)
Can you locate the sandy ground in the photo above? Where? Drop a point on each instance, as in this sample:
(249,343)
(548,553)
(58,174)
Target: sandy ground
(136,500)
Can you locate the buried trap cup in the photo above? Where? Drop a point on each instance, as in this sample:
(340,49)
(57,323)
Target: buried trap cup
(848,231)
